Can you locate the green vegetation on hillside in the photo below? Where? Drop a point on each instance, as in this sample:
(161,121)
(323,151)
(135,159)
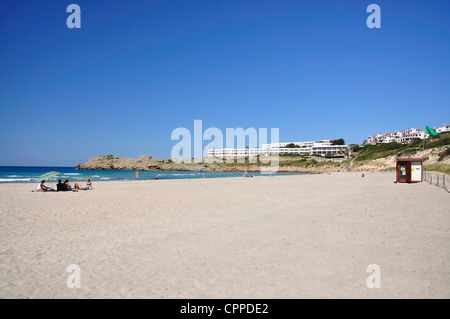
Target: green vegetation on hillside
(110,157)
(369,152)
(339,141)
(285,160)
(443,168)
(382,150)
(355,147)
(439,140)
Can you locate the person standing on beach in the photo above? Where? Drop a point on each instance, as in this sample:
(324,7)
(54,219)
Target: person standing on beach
(157,176)
(137,175)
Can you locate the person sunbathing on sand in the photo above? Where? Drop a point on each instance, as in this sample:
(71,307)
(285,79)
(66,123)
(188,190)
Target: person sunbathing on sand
(69,187)
(79,187)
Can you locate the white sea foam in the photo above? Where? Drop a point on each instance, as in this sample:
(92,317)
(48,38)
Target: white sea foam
(15,179)
(71,174)
(105,177)
(180,174)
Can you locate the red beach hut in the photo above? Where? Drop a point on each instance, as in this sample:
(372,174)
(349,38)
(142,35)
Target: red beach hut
(409,170)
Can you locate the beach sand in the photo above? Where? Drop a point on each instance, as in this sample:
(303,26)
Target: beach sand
(310,236)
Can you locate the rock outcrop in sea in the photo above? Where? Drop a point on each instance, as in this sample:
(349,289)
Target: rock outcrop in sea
(142,163)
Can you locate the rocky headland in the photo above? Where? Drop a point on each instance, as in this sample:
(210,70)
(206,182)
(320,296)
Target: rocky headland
(148,163)
(288,164)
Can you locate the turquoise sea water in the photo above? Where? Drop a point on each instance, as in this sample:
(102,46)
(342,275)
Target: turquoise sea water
(22,174)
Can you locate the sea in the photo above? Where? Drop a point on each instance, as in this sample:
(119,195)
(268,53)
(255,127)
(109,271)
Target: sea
(30,174)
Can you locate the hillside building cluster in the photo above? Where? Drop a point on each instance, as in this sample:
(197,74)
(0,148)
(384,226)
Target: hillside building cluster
(404,136)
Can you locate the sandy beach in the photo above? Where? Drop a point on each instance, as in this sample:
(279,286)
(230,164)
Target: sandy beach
(308,236)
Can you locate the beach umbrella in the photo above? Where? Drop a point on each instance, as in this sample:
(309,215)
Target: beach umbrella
(201,169)
(47,175)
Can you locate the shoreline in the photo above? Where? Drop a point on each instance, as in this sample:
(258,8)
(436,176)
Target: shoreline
(357,174)
(163,180)
(162,176)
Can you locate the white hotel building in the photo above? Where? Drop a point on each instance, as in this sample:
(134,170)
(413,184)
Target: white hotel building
(322,148)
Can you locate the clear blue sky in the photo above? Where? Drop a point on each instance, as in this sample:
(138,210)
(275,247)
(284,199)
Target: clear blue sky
(136,70)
